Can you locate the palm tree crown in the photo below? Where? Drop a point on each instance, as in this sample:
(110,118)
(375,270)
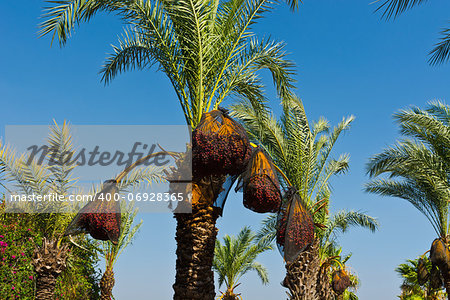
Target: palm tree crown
(236,256)
(205,47)
(301,152)
(417,167)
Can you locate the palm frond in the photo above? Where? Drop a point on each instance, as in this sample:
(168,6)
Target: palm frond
(394,8)
(343,220)
(441,51)
(60,159)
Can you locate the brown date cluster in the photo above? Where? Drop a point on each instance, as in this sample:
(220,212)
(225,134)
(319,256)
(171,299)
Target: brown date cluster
(214,153)
(340,281)
(261,195)
(440,265)
(101,226)
(295,229)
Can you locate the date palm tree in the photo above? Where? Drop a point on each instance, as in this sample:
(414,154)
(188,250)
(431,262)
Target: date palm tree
(417,168)
(50,258)
(235,257)
(393,8)
(328,250)
(208,52)
(302,154)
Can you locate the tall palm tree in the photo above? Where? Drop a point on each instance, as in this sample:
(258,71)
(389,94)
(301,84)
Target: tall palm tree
(206,49)
(302,154)
(393,8)
(235,257)
(417,169)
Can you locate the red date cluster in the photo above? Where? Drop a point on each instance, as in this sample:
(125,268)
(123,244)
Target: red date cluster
(260,184)
(261,195)
(101,219)
(295,229)
(340,281)
(219,154)
(102,226)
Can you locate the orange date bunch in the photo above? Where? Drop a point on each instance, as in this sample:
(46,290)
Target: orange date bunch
(260,184)
(220,145)
(101,218)
(295,227)
(340,281)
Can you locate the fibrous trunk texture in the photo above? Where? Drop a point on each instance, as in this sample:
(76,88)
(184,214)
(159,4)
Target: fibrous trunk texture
(324,289)
(196,236)
(49,262)
(106,284)
(45,287)
(302,274)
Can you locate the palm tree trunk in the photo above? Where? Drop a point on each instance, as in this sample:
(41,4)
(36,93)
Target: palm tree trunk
(301,275)
(106,284)
(49,262)
(445,272)
(45,287)
(324,289)
(196,236)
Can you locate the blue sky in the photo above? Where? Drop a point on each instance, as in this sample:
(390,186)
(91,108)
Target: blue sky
(349,62)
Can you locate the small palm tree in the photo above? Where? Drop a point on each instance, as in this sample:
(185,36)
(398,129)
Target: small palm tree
(235,257)
(208,52)
(302,153)
(50,258)
(417,168)
(393,8)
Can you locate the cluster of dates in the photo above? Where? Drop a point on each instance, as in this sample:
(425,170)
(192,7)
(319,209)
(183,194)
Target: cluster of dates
(101,218)
(340,281)
(260,184)
(295,227)
(220,146)
(440,265)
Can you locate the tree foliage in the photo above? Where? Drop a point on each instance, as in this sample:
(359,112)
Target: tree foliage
(416,168)
(205,48)
(236,256)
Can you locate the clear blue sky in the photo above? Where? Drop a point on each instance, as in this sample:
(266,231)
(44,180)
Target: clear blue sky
(349,62)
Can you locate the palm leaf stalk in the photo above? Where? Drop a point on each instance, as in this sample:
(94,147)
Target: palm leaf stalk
(416,169)
(208,52)
(302,154)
